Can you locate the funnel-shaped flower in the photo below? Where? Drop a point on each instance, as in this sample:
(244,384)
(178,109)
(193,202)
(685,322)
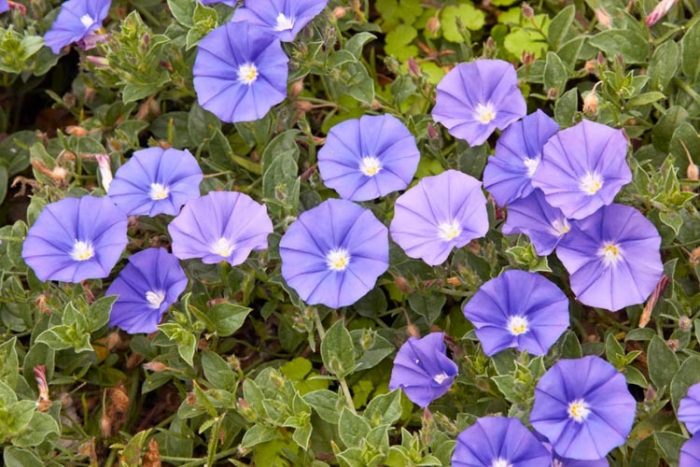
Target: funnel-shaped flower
(76,20)
(281,18)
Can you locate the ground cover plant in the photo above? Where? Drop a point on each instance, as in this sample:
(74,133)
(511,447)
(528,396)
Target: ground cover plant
(349,232)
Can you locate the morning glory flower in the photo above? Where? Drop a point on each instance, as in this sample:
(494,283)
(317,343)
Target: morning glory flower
(442,212)
(156,181)
(221,226)
(368,157)
(76,239)
(4,6)
(334,253)
(583,168)
(281,18)
(151,282)
(558,461)
(422,369)
(543,224)
(690,453)
(499,442)
(583,407)
(518,309)
(240,72)
(475,98)
(508,174)
(689,409)
(613,257)
(76,20)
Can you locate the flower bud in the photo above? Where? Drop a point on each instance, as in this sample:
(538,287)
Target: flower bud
(433,25)
(105,168)
(590,103)
(693,172)
(685,324)
(603,18)
(339,12)
(527,11)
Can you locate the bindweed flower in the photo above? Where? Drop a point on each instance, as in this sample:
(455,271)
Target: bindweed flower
(543,224)
(613,257)
(518,309)
(475,98)
(4,6)
(499,442)
(151,282)
(221,226)
(156,181)
(442,212)
(77,20)
(508,175)
(240,72)
(583,407)
(281,18)
(422,369)
(368,157)
(690,453)
(583,168)
(558,461)
(689,409)
(334,253)
(76,239)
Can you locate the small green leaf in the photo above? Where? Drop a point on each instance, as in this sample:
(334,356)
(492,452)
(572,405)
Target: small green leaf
(690,46)
(633,47)
(227,318)
(352,428)
(555,73)
(466,15)
(337,350)
(663,363)
(218,372)
(560,26)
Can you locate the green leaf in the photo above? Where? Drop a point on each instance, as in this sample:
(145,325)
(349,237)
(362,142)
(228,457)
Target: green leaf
(565,108)
(633,47)
(183,11)
(357,43)
(398,42)
(690,46)
(555,73)
(185,340)
(227,318)
(664,64)
(560,26)
(352,428)
(672,219)
(663,363)
(100,309)
(465,15)
(427,305)
(337,351)
(39,428)
(258,434)
(670,445)
(64,337)
(686,376)
(384,409)
(15,457)
(9,363)
(218,372)
(645,99)
(327,404)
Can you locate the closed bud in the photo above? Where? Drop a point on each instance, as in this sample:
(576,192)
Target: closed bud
(527,58)
(75,130)
(694,258)
(156,367)
(590,103)
(97,62)
(402,284)
(685,324)
(527,11)
(297,87)
(591,66)
(693,172)
(603,17)
(413,67)
(433,25)
(339,12)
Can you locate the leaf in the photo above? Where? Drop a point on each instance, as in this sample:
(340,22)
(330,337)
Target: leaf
(633,47)
(555,73)
(357,43)
(672,219)
(327,404)
(352,428)
(670,445)
(465,15)
(663,363)
(560,25)
(565,108)
(64,337)
(182,10)
(384,409)
(686,376)
(428,305)
(15,457)
(258,434)
(690,55)
(337,351)
(218,372)
(227,318)
(100,309)
(9,363)
(663,65)
(185,340)
(40,426)
(398,42)
(645,99)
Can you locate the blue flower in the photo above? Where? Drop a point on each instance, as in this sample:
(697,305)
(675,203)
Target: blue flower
(281,18)
(76,20)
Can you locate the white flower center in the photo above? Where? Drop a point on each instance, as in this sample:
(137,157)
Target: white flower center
(82,251)
(611,253)
(155,298)
(284,23)
(501,462)
(338,259)
(222,247)
(484,113)
(591,183)
(531,165)
(159,191)
(518,325)
(561,226)
(578,410)
(440,377)
(449,230)
(87,20)
(247,73)
(370,166)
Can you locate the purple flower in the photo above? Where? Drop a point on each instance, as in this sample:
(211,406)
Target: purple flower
(518,309)
(476,98)
(690,453)
(559,461)
(689,409)
(4,6)
(368,157)
(583,168)
(499,442)
(240,72)
(542,223)
(76,20)
(279,18)
(583,407)
(221,226)
(613,257)
(151,282)
(156,181)
(508,175)
(442,212)
(422,369)
(76,239)
(334,253)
